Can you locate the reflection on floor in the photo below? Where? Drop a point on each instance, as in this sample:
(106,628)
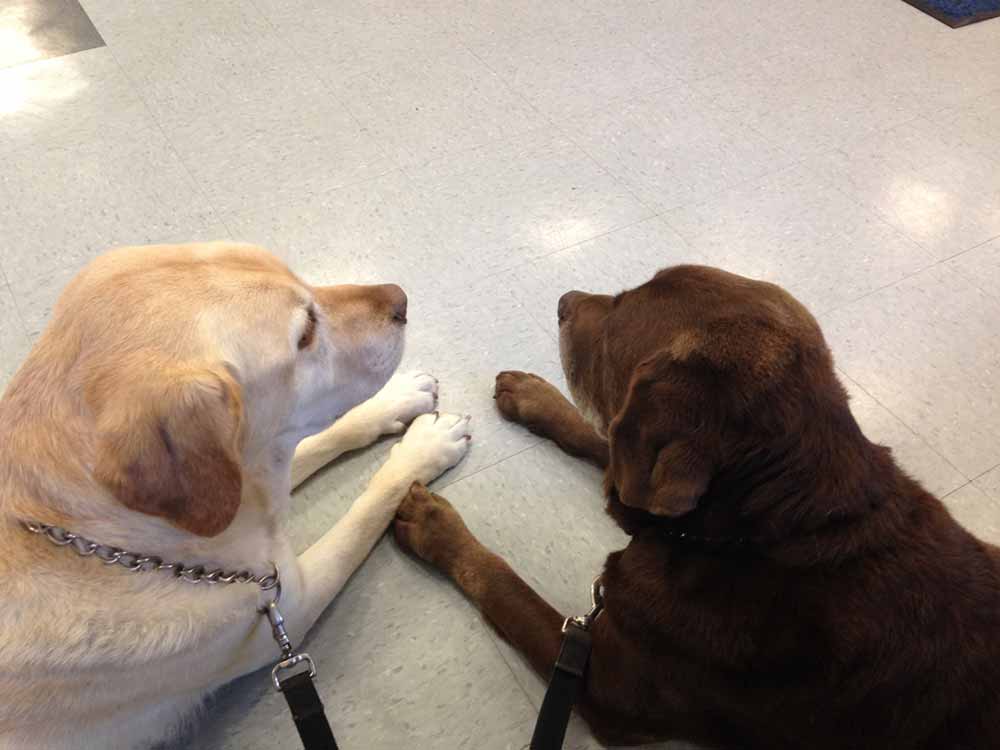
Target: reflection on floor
(489,155)
(41,29)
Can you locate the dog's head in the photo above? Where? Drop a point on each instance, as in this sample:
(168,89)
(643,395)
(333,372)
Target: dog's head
(196,363)
(693,377)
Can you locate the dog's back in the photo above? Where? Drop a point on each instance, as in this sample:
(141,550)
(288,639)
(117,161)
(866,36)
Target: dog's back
(913,626)
(884,638)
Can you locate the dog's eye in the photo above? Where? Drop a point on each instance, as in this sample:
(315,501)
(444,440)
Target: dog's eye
(306,339)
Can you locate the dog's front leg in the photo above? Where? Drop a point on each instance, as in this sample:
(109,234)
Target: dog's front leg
(433,444)
(403,398)
(428,526)
(538,405)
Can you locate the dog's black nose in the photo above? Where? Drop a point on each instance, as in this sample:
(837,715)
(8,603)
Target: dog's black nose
(566,303)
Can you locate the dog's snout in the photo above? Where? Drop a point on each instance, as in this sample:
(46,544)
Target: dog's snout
(566,303)
(398,301)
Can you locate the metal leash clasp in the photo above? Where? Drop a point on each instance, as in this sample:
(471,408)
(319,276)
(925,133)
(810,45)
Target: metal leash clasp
(290,658)
(597,606)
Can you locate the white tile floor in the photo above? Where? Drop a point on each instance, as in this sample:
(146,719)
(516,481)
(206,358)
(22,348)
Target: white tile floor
(490,155)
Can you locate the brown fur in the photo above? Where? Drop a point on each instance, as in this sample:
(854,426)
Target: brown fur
(172,448)
(822,598)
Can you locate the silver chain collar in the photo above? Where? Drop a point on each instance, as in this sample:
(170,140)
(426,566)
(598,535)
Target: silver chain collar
(137,563)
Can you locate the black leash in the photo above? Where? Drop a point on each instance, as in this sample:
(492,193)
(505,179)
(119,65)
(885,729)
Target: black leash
(567,676)
(298,688)
(307,712)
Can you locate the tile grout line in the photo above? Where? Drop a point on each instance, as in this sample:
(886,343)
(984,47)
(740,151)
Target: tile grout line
(534,259)
(912,431)
(960,253)
(559,127)
(802,161)
(495,639)
(547,122)
(936,264)
(847,303)
(980,476)
(326,84)
(551,121)
(218,215)
(137,92)
(483,626)
(881,218)
(17,307)
(490,466)
(737,186)
(957,489)
(659,210)
(969,278)
(877,214)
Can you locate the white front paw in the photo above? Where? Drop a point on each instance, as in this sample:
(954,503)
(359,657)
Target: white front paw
(402,399)
(433,444)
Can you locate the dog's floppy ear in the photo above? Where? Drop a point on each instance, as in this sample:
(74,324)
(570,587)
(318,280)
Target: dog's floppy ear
(170,448)
(657,464)
(666,442)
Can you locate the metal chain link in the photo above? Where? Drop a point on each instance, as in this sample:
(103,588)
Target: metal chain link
(137,563)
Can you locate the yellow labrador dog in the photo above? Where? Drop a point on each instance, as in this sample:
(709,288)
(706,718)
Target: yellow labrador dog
(176,398)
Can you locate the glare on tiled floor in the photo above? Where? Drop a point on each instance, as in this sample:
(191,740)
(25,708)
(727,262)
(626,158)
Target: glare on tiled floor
(489,155)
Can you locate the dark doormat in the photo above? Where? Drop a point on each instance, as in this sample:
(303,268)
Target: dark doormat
(957,13)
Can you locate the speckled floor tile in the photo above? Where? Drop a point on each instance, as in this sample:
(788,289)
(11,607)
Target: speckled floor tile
(674,147)
(67,101)
(608,264)
(975,123)
(569,71)
(981,266)
(976,511)
(543,511)
(127,192)
(990,483)
(489,155)
(502,204)
(439,227)
(484,22)
(13,339)
(796,229)
(401,659)
(467,337)
(924,181)
(805,112)
(912,453)
(422,108)
(358,38)
(927,349)
(251,119)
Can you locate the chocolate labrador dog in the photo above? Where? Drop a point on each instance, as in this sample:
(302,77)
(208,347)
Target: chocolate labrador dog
(786,584)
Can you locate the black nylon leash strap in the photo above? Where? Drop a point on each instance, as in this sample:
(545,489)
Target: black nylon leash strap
(307,712)
(563,690)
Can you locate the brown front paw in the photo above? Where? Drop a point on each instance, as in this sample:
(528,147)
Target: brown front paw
(529,400)
(429,526)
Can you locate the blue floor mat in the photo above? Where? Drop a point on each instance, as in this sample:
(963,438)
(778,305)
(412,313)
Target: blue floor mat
(957,13)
